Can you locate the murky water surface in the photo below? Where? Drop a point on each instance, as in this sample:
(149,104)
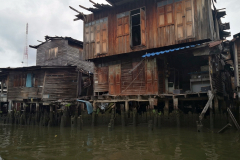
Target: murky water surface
(32,142)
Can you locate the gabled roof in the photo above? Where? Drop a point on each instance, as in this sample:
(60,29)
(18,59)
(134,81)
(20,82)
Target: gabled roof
(48,39)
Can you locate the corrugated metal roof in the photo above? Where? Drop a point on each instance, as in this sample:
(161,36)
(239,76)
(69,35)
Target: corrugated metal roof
(170,50)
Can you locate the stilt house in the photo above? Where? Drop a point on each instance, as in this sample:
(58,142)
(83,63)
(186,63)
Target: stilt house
(61,76)
(155,47)
(162,54)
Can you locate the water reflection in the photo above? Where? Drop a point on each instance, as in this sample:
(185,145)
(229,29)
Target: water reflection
(32,142)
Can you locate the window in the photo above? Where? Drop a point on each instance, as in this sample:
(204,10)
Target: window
(182,9)
(131,22)
(165,13)
(25,80)
(19,80)
(51,53)
(96,37)
(136,27)
(138,36)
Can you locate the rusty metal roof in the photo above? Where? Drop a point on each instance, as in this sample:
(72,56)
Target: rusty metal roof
(213,44)
(49,38)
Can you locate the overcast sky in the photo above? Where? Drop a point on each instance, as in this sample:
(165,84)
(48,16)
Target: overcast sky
(53,17)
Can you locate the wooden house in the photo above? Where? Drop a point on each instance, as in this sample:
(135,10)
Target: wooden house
(61,51)
(60,75)
(149,47)
(44,85)
(164,53)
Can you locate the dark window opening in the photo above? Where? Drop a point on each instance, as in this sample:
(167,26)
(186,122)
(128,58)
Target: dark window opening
(136,36)
(136,27)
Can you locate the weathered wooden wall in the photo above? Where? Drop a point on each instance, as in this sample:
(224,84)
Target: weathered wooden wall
(74,53)
(61,58)
(68,53)
(20,93)
(181,22)
(131,76)
(60,84)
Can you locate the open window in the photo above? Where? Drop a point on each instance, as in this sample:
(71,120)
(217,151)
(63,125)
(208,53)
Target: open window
(138,27)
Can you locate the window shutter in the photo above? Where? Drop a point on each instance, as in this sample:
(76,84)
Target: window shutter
(143,27)
(104,37)
(92,33)
(86,33)
(161,17)
(29,80)
(126,25)
(179,17)
(169,14)
(119,27)
(189,18)
(98,39)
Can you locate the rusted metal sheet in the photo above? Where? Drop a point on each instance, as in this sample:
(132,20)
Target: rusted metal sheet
(213,44)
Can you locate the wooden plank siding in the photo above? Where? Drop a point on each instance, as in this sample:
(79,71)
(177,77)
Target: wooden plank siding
(48,85)
(161,25)
(18,92)
(132,76)
(60,84)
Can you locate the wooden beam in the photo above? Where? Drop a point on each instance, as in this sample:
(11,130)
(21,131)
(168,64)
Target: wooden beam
(110,2)
(92,2)
(233,119)
(74,9)
(211,96)
(85,8)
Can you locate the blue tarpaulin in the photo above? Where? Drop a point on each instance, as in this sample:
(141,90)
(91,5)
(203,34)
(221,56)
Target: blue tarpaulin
(88,104)
(29,80)
(169,50)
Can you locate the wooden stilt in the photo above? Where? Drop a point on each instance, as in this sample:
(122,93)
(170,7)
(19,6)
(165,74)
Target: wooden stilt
(126,106)
(94,114)
(51,116)
(134,116)
(216,105)
(166,108)
(122,115)
(211,115)
(126,112)
(176,111)
(37,113)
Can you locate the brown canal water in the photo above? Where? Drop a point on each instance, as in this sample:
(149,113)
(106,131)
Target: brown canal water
(129,143)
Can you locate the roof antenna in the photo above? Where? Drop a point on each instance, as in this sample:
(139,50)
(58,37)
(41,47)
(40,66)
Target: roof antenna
(25,54)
